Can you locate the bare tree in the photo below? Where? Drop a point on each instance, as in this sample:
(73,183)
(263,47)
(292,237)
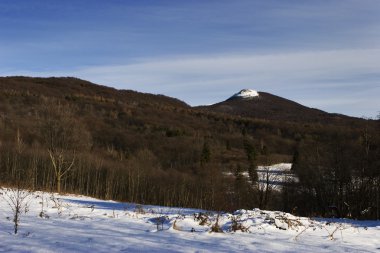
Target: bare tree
(61,165)
(17,198)
(20,145)
(64,136)
(18,201)
(266,184)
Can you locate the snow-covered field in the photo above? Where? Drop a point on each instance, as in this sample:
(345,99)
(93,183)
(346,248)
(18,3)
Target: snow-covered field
(81,224)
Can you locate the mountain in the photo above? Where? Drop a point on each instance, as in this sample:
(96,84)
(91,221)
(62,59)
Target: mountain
(153,149)
(263,105)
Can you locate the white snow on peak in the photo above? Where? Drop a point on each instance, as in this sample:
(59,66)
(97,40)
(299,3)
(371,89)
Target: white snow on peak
(246,93)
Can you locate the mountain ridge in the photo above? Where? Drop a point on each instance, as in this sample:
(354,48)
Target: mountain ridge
(271,107)
(245,103)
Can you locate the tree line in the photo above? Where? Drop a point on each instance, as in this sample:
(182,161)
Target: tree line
(339,176)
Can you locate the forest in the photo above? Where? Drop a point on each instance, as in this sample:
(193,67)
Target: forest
(71,136)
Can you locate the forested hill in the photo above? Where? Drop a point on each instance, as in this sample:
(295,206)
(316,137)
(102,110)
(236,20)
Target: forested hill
(66,134)
(73,88)
(271,107)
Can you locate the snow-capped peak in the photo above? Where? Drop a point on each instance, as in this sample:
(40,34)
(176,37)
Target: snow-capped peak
(246,93)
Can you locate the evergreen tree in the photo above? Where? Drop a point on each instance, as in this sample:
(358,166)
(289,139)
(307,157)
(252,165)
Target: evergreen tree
(251,156)
(206,154)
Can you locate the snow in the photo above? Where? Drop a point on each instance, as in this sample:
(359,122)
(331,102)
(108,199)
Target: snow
(73,223)
(246,94)
(277,175)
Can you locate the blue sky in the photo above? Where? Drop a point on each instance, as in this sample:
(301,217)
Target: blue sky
(323,54)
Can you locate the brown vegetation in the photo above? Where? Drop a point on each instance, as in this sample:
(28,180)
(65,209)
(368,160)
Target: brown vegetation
(69,135)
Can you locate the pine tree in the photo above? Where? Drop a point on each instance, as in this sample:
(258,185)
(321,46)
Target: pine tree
(206,154)
(251,157)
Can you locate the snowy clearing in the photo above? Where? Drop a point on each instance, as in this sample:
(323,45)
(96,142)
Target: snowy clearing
(276,174)
(69,223)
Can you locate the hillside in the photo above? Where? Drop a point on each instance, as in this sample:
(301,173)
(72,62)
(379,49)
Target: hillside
(270,107)
(74,88)
(131,146)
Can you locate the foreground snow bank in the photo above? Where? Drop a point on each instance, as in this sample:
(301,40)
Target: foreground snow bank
(68,223)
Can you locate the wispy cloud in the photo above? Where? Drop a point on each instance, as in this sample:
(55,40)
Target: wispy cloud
(321,53)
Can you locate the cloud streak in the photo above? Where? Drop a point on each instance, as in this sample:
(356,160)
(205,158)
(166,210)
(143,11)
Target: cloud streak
(313,52)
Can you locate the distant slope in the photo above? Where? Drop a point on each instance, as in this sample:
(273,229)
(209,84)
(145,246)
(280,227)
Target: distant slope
(70,87)
(270,107)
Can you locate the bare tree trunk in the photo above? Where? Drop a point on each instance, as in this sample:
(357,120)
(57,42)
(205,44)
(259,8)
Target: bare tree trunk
(377,200)
(58,184)
(61,167)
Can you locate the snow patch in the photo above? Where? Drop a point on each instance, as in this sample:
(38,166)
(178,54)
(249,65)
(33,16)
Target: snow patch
(246,94)
(277,175)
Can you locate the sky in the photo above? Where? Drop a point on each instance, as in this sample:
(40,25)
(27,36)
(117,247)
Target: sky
(321,53)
